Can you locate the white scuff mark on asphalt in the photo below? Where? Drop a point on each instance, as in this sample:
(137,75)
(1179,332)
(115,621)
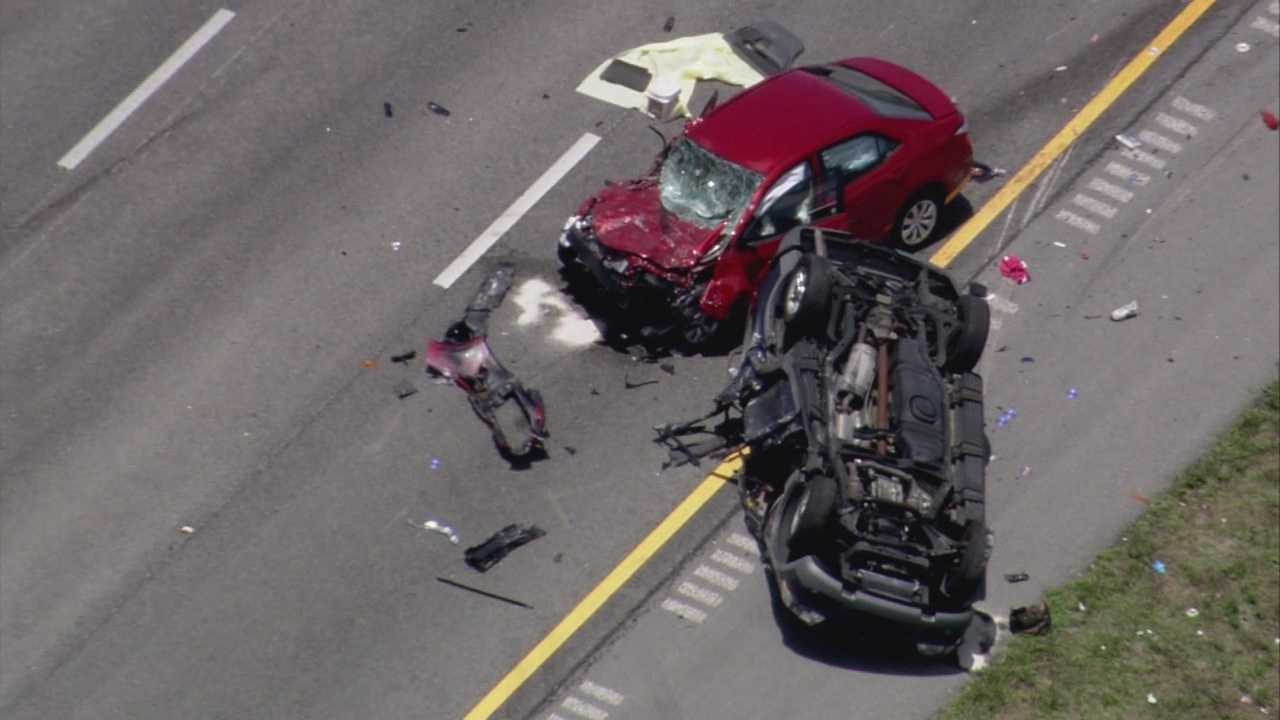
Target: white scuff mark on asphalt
(1000,304)
(149,86)
(535,297)
(517,209)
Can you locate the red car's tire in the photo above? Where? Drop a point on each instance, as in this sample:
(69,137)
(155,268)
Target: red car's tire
(917,223)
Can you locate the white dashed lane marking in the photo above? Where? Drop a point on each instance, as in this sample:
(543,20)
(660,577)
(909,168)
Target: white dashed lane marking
(736,562)
(1078,222)
(1094,205)
(710,598)
(684,610)
(1176,124)
(724,581)
(601,693)
(1266,25)
(1159,142)
(1115,192)
(743,542)
(1144,157)
(584,709)
(1195,110)
(1124,172)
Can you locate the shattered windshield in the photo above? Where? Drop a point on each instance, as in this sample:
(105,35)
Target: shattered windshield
(703,189)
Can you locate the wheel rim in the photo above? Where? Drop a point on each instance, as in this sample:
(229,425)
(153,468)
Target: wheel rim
(795,293)
(919,222)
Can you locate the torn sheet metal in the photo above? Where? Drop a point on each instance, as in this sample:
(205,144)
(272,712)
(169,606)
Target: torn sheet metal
(623,79)
(515,414)
(489,553)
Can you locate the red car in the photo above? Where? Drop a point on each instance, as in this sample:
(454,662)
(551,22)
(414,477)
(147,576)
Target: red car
(861,145)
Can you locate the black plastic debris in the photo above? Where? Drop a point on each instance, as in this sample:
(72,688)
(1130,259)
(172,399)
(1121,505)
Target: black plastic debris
(1028,359)
(438,109)
(627,75)
(489,553)
(571,449)
(626,383)
(405,356)
(404,389)
(982,172)
(669,24)
(667,368)
(1030,620)
(387,109)
(484,593)
(1016,577)
(766,46)
(515,414)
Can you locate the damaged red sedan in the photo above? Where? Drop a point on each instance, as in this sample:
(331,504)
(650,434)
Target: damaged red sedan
(861,145)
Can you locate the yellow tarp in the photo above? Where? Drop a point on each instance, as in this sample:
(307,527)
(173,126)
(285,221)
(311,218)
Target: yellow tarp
(686,60)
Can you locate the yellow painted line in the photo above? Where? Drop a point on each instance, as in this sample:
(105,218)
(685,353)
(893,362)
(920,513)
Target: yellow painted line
(1074,129)
(607,587)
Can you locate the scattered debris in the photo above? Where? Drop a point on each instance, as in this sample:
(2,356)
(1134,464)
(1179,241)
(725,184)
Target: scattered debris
(489,553)
(1030,620)
(1243,47)
(515,415)
(485,593)
(186,530)
(1006,417)
(1151,698)
(436,526)
(669,24)
(1193,613)
(1270,120)
(1093,39)
(571,449)
(395,244)
(368,364)
(626,383)
(1016,577)
(667,368)
(387,110)
(1129,141)
(640,353)
(1059,244)
(1014,268)
(435,463)
(1159,567)
(405,356)
(438,109)
(1083,608)
(982,172)
(1026,471)
(1124,312)
(1073,393)
(1084,255)
(1028,359)
(405,388)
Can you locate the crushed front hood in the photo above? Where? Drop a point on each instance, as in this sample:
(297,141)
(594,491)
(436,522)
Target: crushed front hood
(629,218)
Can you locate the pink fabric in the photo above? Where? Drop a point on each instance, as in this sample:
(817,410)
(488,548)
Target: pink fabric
(1014,268)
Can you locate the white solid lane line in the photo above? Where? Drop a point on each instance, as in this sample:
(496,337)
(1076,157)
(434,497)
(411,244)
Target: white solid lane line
(508,218)
(167,69)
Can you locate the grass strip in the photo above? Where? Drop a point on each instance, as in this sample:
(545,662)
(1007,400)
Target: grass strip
(1202,640)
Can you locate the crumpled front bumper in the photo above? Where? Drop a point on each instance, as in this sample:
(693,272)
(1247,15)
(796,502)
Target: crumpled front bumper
(622,277)
(812,593)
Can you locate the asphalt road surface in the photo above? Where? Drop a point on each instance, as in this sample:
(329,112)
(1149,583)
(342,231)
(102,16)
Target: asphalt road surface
(187,317)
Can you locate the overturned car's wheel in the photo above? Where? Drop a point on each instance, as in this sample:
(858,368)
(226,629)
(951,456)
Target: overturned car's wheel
(962,581)
(808,292)
(809,515)
(970,336)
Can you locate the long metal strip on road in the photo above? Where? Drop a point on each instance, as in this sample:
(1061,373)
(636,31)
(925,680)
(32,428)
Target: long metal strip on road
(962,238)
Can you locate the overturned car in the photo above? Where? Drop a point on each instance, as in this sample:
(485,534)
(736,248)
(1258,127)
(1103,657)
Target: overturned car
(864,479)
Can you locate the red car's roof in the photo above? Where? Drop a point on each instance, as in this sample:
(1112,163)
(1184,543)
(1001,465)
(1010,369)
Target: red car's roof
(793,114)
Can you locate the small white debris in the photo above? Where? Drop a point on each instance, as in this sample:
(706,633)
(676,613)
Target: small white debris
(1081,606)
(186,530)
(1128,141)
(1148,211)
(1243,47)
(1151,698)
(1103,648)
(1060,68)
(1124,312)
(1246,700)
(1199,633)
(1059,244)
(395,244)
(1192,613)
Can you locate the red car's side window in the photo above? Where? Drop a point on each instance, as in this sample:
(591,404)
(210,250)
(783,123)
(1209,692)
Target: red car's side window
(849,160)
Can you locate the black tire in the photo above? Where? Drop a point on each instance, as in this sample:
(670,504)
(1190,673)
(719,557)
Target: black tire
(806,297)
(918,221)
(962,581)
(970,336)
(810,514)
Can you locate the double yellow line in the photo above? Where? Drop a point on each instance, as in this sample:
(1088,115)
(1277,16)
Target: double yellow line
(960,240)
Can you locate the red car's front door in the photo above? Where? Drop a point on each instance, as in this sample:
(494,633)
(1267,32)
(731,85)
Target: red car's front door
(862,186)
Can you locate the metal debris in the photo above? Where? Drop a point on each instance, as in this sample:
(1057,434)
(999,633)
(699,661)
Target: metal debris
(1124,312)
(485,593)
(489,553)
(405,356)
(438,109)
(436,526)
(1016,577)
(1129,141)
